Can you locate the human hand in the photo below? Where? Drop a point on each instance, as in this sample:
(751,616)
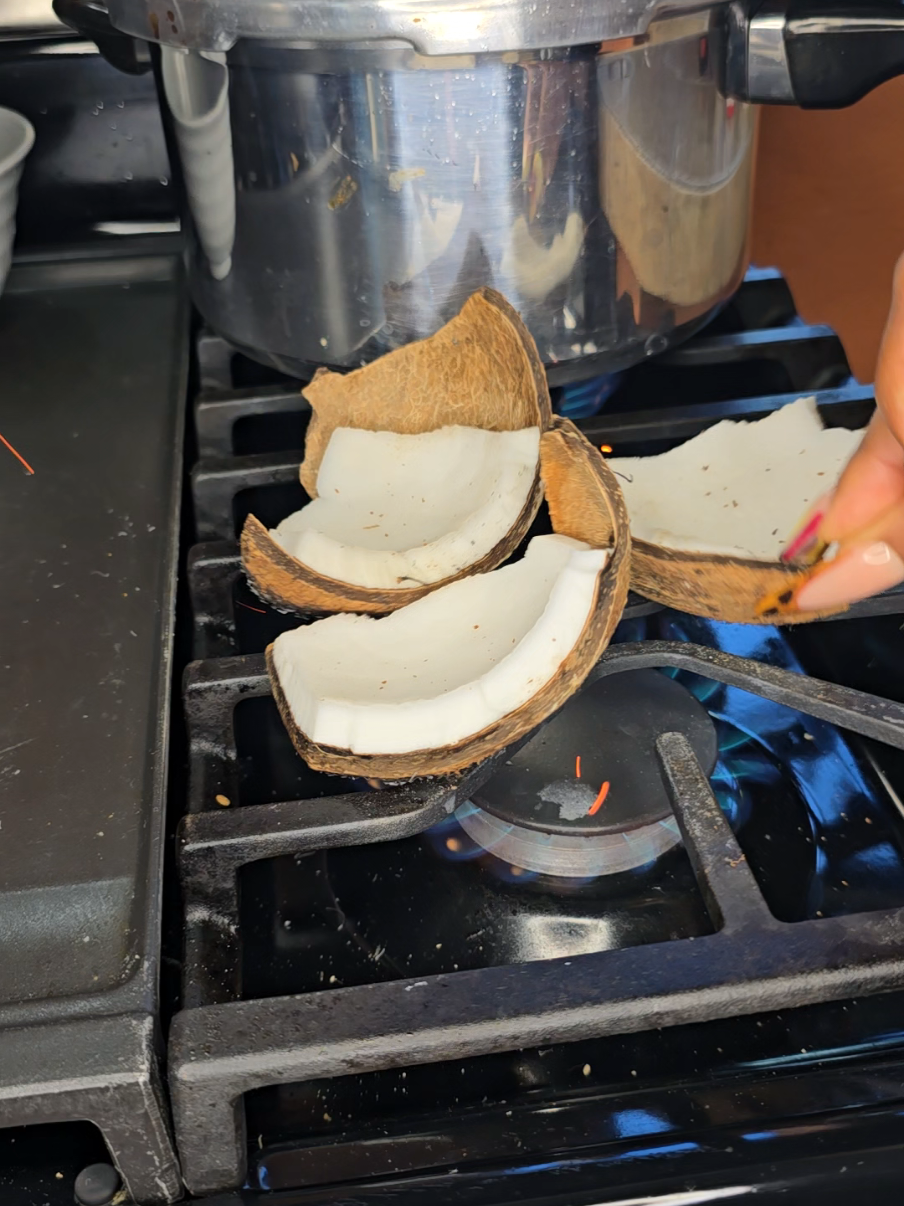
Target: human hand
(865,512)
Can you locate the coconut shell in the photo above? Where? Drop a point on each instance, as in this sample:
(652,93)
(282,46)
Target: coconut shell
(717,587)
(585,503)
(482,369)
(281,579)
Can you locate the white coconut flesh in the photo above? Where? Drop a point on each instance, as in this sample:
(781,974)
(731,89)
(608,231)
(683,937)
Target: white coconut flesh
(399,511)
(739,488)
(447,666)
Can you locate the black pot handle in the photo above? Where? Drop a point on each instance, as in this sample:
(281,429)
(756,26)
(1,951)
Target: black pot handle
(819,54)
(91,19)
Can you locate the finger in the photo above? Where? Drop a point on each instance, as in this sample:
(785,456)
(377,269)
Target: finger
(890,367)
(874,563)
(871,484)
(873,480)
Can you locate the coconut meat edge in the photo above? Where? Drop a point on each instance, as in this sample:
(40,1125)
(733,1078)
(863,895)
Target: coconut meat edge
(398,511)
(446,667)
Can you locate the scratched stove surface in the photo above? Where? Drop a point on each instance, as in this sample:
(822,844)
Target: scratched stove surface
(93,369)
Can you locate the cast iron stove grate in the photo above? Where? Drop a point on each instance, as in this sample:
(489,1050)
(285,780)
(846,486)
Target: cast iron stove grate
(223,1047)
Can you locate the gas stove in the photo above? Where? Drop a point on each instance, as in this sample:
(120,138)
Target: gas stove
(654,955)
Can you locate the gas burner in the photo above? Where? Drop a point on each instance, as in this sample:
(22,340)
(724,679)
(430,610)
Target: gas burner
(556,883)
(585,797)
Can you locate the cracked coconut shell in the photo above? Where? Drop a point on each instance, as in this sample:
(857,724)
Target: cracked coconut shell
(481,370)
(585,505)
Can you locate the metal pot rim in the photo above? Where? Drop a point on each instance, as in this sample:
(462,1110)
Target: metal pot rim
(431,27)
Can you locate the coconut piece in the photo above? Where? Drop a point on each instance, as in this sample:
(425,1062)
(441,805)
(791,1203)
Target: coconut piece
(457,675)
(445,667)
(482,372)
(395,511)
(710,518)
(481,369)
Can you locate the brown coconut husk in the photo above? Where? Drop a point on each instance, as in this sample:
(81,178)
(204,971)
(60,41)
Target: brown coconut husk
(481,369)
(733,589)
(585,503)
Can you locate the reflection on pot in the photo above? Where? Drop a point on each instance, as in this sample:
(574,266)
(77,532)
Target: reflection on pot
(433,226)
(17,137)
(197,92)
(676,168)
(535,269)
(603,190)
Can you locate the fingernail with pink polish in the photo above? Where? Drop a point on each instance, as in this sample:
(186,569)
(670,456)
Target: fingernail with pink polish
(855,574)
(805,538)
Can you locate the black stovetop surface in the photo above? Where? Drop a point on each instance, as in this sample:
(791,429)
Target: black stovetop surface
(815,812)
(810,808)
(792,1104)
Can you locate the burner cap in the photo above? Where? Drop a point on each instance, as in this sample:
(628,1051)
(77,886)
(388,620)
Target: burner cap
(605,734)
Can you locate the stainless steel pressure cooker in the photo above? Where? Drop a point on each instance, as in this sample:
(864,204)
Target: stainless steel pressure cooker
(353,169)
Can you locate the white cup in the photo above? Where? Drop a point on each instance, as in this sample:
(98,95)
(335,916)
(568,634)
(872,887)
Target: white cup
(17,137)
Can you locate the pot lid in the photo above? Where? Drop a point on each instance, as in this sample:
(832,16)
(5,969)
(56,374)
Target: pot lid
(432,27)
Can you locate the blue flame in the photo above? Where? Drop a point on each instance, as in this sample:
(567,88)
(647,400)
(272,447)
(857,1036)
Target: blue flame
(585,398)
(759,1136)
(450,841)
(510,874)
(632,1124)
(601,1161)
